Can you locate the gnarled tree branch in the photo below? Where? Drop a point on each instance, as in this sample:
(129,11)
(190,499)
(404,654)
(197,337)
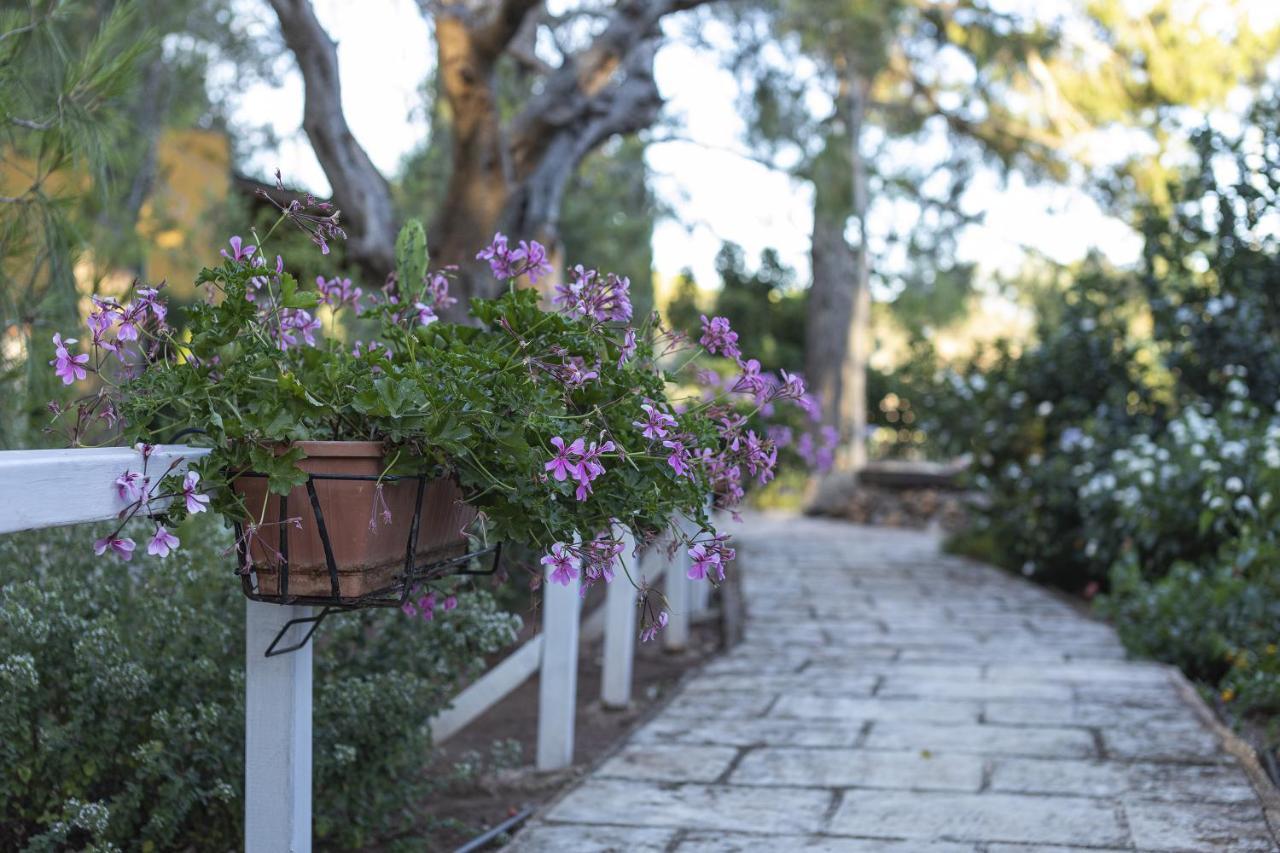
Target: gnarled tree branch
(359,188)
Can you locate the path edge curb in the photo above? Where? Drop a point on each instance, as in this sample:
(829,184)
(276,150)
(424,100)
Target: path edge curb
(1268,794)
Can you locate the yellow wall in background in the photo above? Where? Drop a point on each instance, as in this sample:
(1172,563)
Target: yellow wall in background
(181,220)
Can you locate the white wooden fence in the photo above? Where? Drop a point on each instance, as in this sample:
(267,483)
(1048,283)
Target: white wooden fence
(49,488)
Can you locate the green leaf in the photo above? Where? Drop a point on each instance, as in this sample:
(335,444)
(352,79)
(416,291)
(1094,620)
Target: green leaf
(411,259)
(281,469)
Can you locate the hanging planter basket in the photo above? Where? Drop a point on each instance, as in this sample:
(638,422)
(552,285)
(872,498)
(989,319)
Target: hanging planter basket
(350,537)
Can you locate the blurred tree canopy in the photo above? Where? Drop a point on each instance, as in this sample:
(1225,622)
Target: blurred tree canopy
(836,91)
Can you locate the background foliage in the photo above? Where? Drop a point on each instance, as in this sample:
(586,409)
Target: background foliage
(1133,448)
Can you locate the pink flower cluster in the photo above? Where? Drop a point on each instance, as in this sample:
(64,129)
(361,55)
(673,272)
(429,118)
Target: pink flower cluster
(294,323)
(529,258)
(563,563)
(588,294)
(135,489)
(822,456)
(111,327)
(67,367)
(595,561)
(338,292)
(709,557)
(718,339)
(579,462)
(426,606)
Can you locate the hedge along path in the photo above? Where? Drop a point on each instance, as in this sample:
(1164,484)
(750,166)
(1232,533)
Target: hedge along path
(888,697)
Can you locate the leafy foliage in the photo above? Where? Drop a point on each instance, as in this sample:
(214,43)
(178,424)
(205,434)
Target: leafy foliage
(1134,448)
(122,702)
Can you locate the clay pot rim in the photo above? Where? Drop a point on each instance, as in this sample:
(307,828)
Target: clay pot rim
(344,449)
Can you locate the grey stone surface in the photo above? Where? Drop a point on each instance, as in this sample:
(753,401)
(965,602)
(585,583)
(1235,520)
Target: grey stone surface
(757,732)
(794,811)
(1222,783)
(665,762)
(980,817)
(1175,826)
(891,698)
(721,842)
(983,739)
(809,707)
(861,768)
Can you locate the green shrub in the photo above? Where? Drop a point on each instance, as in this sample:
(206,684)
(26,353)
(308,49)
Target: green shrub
(122,701)
(1218,623)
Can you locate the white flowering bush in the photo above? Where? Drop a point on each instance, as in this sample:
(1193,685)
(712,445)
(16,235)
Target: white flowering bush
(1170,508)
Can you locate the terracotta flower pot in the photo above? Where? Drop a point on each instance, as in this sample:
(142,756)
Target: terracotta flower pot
(368,551)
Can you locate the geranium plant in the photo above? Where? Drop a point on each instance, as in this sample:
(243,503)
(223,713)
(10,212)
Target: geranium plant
(559,425)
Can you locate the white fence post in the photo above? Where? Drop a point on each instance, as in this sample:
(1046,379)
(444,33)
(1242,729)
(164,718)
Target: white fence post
(277,741)
(620,631)
(700,596)
(558,680)
(675,637)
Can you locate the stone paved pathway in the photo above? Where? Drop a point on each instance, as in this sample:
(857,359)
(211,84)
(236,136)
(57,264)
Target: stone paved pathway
(891,698)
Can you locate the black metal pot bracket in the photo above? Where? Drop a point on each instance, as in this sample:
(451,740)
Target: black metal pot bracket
(413,576)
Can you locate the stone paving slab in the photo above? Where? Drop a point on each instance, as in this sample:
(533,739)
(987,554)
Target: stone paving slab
(888,697)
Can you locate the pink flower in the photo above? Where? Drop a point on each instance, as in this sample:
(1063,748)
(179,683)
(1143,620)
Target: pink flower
(762,456)
(426,314)
(438,288)
(450,603)
(129,486)
(679,458)
(380,508)
(534,257)
(427,604)
(717,337)
(100,322)
(122,548)
(700,561)
(656,423)
(590,468)
(654,627)
(792,387)
(337,292)
(628,348)
(576,374)
(162,542)
(293,321)
(195,501)
(562,465)
(129,320)
(600,556)
(751,382)
(261,281)
(149,300)
(530,258)
(69,368)
(564,566)
(239,251)
(588,294)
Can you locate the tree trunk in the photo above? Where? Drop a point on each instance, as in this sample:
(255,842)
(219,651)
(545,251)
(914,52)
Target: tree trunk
(831,301)
(479,180)
(838,324)
(509,177)
(853,368)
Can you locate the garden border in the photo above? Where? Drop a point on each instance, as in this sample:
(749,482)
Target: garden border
(52,488)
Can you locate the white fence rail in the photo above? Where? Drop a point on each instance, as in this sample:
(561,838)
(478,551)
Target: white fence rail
(50,488)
